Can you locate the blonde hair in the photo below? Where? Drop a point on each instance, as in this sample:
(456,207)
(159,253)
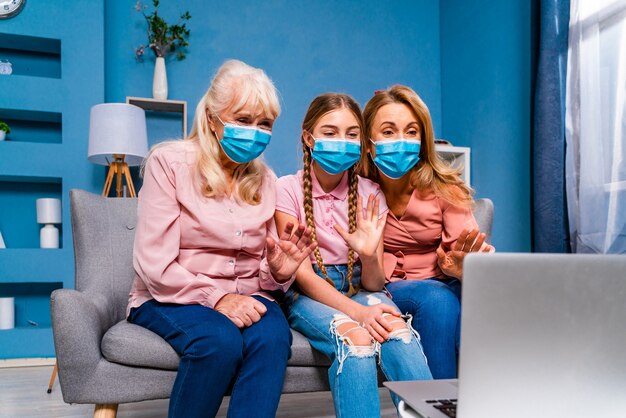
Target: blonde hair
(319,107)
(235,85)
(430,174)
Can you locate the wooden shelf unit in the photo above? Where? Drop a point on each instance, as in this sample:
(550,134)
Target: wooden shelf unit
(155,105)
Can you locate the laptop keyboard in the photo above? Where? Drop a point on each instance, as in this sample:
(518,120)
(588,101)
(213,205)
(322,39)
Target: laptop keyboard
(445,406)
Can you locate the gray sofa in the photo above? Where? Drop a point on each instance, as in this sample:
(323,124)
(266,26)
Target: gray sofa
(104,360)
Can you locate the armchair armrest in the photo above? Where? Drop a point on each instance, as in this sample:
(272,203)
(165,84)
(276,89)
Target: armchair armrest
(78,326)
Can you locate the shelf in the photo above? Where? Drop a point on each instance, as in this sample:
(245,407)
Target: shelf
(31,56)
(22,342)
(35,265)
(165,106)
(29,160)
(458,157)
(31,93)
(32,126)
(18,212)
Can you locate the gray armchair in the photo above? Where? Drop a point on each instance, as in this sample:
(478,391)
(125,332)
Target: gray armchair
(104,360)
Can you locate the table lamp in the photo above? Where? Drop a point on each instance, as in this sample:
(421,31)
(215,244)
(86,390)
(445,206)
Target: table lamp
(117,138)
(49,213)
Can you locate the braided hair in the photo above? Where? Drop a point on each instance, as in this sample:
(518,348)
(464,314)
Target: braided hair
(320,106)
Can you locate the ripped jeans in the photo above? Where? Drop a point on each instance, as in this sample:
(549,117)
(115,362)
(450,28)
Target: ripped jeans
(353,376)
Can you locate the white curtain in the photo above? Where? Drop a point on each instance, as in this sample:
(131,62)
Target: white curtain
(595,126)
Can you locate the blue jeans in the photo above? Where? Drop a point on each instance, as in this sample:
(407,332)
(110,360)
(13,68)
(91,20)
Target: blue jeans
(353,376)
(435,306)
(215,355)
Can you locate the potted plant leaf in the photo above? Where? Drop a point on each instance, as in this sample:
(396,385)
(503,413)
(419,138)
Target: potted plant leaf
(163,39)
(4,130)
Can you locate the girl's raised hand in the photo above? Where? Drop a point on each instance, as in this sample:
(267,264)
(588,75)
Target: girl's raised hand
(369,231)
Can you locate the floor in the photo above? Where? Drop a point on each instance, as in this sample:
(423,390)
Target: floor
(23,394)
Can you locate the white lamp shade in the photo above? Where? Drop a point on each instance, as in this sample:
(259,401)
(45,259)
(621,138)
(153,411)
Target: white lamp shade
(48,211)
(117,128)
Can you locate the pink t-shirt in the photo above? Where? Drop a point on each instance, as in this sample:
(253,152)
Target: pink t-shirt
(329,209)
(190,249)
(411,241)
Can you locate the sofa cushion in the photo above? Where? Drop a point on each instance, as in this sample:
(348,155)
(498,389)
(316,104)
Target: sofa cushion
(133,345)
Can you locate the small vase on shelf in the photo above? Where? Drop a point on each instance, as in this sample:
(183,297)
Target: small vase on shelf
(159,83)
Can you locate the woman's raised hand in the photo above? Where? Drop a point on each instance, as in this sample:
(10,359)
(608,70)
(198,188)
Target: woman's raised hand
(285,255)
(369,231)
(469,241)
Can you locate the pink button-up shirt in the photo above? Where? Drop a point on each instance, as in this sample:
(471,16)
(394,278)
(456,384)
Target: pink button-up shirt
(190,249)
(329,209)
(411,241)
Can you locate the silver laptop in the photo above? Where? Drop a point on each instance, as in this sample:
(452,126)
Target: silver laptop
(543,335)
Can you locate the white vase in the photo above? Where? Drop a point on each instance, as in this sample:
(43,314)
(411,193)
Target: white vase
(159,83)
(7,313)
(49,237)
(2,135)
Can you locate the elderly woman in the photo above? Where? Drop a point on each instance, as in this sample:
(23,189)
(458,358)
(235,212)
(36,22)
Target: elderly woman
(430,226)
(205,257)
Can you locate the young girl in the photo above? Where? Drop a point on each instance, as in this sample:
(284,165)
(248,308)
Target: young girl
(338,301)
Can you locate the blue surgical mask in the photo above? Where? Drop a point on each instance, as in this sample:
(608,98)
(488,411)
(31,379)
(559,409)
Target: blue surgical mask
(396,157)
(243,144)
(336,155)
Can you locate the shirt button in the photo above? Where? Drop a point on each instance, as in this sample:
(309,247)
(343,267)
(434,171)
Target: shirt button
(238,233)
(231,210)
(231,262)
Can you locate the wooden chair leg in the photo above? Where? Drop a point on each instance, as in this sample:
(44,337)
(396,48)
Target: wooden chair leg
(54,376)
(105,411)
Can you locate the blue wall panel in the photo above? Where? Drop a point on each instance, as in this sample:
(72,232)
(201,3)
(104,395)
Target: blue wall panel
(486,102)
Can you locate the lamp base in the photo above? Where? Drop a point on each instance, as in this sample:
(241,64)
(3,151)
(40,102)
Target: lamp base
(49,237)
(119,169)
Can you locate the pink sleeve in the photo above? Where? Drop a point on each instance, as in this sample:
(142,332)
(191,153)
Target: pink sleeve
(455,219)
(157,242)
(286,197)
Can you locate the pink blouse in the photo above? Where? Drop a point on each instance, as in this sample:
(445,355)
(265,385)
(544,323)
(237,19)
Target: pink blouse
(411,241)
(329,209)
(190,249)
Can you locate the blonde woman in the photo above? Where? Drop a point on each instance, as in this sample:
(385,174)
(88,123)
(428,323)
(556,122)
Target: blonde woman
(204,258)
(338,302)
(430,226)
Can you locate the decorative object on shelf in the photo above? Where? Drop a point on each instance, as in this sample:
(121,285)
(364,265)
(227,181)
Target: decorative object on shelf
(4,130)
(49,213)
(7,313)
(6,68)
(11,8)
(2,245)
(118,138)
(162,40)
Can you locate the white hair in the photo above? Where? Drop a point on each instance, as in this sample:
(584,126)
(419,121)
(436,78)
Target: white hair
(235,85)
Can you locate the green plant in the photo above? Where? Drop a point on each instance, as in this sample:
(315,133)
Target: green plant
(4,127)
(163,38)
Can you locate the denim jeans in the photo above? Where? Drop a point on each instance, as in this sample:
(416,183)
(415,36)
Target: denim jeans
(215,355)
(435,307)
(353,375)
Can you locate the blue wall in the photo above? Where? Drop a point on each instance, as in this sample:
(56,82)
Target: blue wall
(486,103)
(306,47)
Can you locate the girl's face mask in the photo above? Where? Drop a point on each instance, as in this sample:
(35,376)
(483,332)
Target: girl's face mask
(336,155)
